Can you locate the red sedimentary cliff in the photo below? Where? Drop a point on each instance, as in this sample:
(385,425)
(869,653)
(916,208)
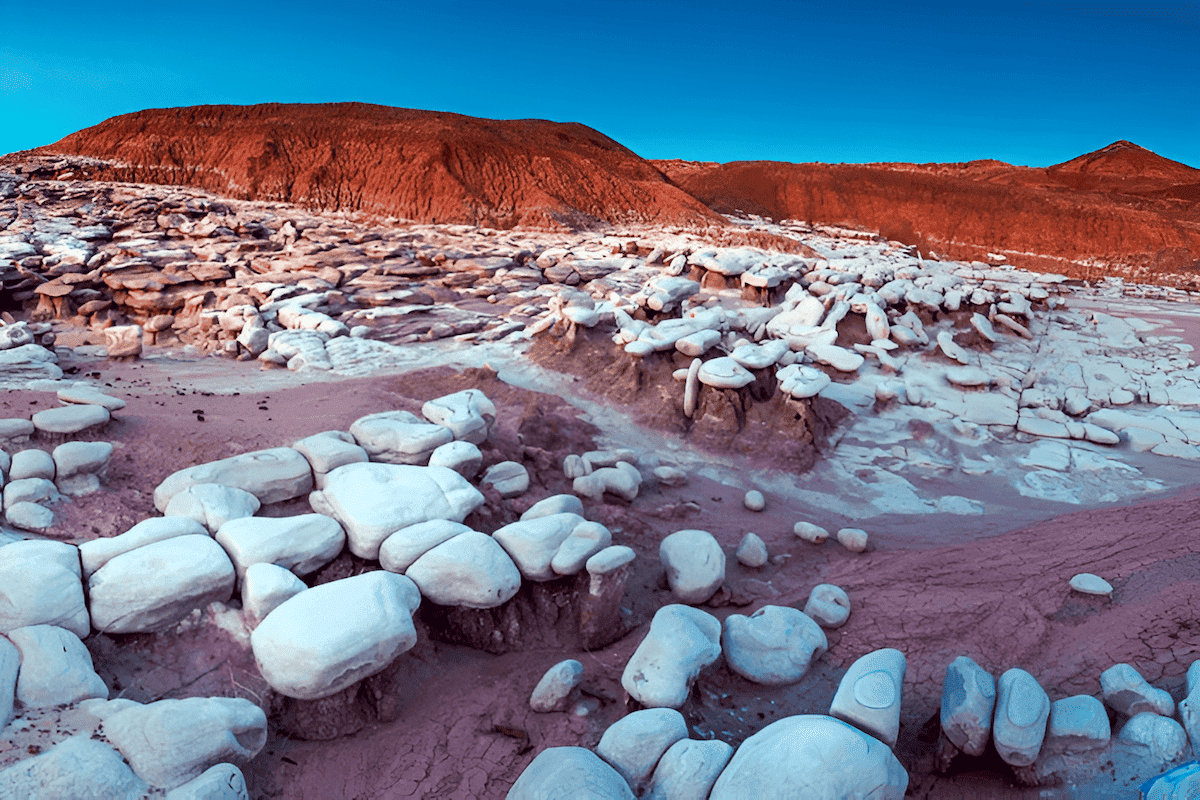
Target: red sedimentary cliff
(1119,210)
(419,165)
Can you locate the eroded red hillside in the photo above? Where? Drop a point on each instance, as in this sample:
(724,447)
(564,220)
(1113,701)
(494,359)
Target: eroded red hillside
(419,165)
(1120,210)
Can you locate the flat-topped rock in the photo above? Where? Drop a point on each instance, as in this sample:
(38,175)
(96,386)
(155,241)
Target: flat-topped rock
(774,646)
(869,694)
(576,772)
(279,473)
(399,437)
(301,544)
(469,415)
(724,373)
(968,703)
(70,419)
(89,395)
(56,667)
(95,553)
(471,570)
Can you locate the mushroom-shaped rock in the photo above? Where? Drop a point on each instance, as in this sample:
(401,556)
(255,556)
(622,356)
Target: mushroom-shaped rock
(533,543)
(681,641)
(688,770)
(1019,725)
(724,373)
(170,742)
(471,570)
(635,743)
(574,772)
(153,587)
(695,564)
(814,757)
(56,667)
(869,694)
(70,419)
(399,437)
(212,505)
(968,702)
(469,414)
(828,605)
(773,646)
(301,544)
(373,501)
(328,637)
(279,473)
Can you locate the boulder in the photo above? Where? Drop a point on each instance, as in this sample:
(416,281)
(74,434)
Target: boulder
(373,501)
(31,463)
(30,490)
(123,341)
(554,689)
(333,635)
(29,516)
(754,500)
(469,414)
(752,551)
(400,550)
(814,757)
(810,532)
(635,743)
(695,564)
(623,480)
(1019,725)
(774,646)
(533,543)
(95,553)
(462,457)
(399,437)
(70,419)
(869,694)
(170,742)
(853,539)
(265,587)
(585,540)
(575,772)
(41,592)
(688,770)
(554,504)
(828,605)
(509,478)
(1076,724)
(300,544)
(221,782)
(327,451)
(1127,692)
(279,473)
(79,768)
(56,667)
(153,587)
(212,505)
(1163,737)
(470,570)
(681,641)
(968,702)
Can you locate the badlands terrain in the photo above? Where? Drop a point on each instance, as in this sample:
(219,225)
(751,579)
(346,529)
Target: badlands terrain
(364,452)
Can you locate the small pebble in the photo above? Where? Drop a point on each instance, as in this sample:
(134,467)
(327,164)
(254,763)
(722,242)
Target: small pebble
(755,500)
(854,539)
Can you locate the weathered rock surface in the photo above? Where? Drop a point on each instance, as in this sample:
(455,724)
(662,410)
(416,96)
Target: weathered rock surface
(279,473)
(695,564)
(300,544)
(80,768)
(574,772)
(635,743)
(773,646)
(56,667)
(681,641)
(471,569)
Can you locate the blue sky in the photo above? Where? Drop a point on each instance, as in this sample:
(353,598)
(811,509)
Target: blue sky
(1027,83)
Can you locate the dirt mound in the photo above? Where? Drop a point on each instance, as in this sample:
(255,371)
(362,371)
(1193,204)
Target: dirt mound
(420,165)
(1120,210)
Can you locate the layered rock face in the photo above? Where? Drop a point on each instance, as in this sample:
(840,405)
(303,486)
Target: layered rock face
(1119,207)
(425,166)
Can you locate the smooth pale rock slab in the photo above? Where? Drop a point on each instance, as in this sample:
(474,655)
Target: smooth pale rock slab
(754,500)
(1127,692)
(31,463)
(623,480)
(509,478)
(265,587)
(688,770)
(724,373)
(774,646)
(220,782)
(635,743)
(300,544)
(1019,724)
(869,694)
(815,757)
(828,605)
(839,358)
(373,501)
(574,772)
(469,414)
(10,663)
(533,543)
(853,539)
(95,553)
(586,540)
(968,703)
(56,667)
(170,742)
(90,395)
(695,564)
(810,532)
(1163,737)
(41,592)
(333,635)
(153,587)
(30,490)
(984,327)
(400,550)
(329,450)
(698,343)
(29,516)
(951,349)
(462,457)
(681,641)
(399,437)
(70,419)
(760,356)
(273,475)
(79,768)
(554,504)
(968,376)
(15,430)
(1087,583)
(555,687)
(212,505)
(80,458)
(470,570)
(42,550)
(1077,724)
(751,551)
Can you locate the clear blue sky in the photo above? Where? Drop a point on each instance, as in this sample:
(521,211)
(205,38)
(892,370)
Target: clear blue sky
(1028,83)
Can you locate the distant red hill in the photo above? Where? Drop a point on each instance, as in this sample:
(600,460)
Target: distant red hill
(420,165)
(1121,205)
